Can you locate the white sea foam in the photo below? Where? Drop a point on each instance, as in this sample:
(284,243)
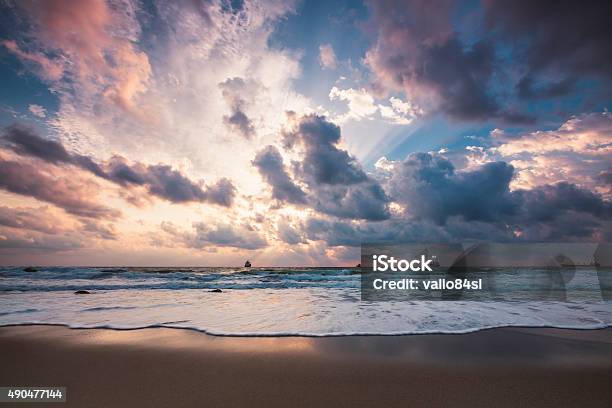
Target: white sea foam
(309,303)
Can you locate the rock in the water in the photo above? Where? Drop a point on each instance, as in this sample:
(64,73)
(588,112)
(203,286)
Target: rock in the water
(247,264)
(30,269)
(216,291)
(82,292)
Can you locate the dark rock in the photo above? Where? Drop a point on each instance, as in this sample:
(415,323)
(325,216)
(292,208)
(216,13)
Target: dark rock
(216,291)
(82,292)
(30,269)
(247,264)
(358,265)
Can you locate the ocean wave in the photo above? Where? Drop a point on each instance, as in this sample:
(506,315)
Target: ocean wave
(66,279)
(261,302)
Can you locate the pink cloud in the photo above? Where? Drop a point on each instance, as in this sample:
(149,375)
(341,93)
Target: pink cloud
(48,69)
(92,38)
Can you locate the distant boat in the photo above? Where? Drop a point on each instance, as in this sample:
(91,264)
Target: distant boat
(247,264)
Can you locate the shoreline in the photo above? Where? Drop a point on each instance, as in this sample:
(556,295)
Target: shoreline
(309,335)
(159,367)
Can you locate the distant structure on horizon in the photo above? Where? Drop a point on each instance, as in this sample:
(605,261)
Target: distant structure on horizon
(247,264)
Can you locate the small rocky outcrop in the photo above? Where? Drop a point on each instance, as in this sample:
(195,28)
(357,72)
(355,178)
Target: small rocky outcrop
(216,291)
(30,269)
(82,292)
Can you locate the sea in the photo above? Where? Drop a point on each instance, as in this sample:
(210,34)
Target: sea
(270,302)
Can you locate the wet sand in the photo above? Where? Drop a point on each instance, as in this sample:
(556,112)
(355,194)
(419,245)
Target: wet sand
(157,367)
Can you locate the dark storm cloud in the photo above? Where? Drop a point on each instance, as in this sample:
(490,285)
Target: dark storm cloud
(443,204)
(323,162)
(566,39)
(170,184)
(270,164)
(552,45)
(336,183)
(233,90)
(365,200)
(460,77)
(24,141)
(430,189)
(73,197)
(526,89)
(418,51)
(547,203)
(165,182)
(160,180)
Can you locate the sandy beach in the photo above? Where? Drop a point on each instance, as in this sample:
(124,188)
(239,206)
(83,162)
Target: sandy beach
(181,368)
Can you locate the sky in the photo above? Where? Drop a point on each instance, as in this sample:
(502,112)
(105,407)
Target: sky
(208,132)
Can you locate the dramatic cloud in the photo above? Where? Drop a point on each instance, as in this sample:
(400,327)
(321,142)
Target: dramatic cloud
(337,183)
(156,103)
(164,182)
(73,196)
(323,162)
(579,151)
(327,57)
(24,141)
(93,44)
(161,180)
(563,211)
(551,213)
(418,52)
(522,51)
(270,164)
(556,58)
(546,203)
(430,188)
